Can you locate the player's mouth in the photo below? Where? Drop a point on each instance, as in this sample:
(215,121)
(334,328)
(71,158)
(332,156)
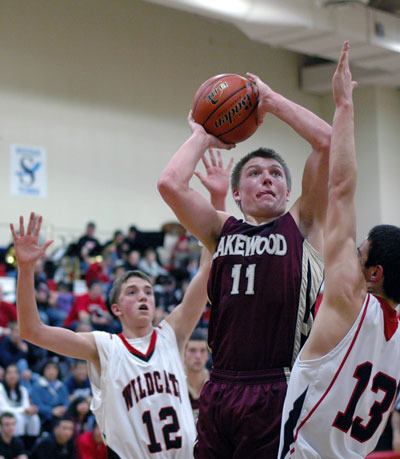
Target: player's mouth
(143,307)
(265,193)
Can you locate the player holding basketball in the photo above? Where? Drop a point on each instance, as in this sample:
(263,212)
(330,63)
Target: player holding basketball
(265,276)
(345,380)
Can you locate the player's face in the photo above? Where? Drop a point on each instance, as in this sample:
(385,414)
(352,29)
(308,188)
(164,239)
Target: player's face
(136,302)
(262,191)
(363,251)
(196,355)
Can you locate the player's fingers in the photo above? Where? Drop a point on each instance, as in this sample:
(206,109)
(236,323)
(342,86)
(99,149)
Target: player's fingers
(21,226)
(213,159)
(31,223)
(343,60)
(38,225)
(260,119)
(46,246)
(253,77)
(12,229)
(219,160)
(205,162)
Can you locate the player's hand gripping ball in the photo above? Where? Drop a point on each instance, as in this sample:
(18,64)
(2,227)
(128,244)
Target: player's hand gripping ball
(226,106)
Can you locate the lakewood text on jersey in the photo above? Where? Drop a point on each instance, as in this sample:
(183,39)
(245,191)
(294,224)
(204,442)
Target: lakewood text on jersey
(240,244)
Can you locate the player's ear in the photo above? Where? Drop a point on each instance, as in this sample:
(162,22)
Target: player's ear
(236,196)
(115,309)
(375,273)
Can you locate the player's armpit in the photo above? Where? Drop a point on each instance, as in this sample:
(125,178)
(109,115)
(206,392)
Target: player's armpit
(65,342)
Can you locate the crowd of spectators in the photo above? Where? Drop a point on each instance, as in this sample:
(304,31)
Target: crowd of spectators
(44,398)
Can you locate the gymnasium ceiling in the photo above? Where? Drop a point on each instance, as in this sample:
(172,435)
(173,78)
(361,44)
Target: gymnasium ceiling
(316,29)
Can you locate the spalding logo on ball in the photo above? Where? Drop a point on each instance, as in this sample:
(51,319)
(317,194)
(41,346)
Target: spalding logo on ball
(226,106)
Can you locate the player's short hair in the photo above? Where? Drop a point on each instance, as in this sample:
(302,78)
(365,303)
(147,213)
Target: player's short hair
(384,250)
(120,280)
(266,153)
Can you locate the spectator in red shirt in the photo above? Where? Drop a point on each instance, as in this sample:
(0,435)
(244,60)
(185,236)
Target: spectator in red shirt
(90,307)
(90,445)
(8,313)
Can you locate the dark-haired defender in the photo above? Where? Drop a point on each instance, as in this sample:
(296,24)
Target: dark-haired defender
(345,379)
(265,276)
(140,395)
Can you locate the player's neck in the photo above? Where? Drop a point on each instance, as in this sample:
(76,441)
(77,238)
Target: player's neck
(390,303)
(258,221)
(136,332)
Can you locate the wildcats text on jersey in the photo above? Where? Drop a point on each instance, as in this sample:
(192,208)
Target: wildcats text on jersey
(148,384)
(240,244)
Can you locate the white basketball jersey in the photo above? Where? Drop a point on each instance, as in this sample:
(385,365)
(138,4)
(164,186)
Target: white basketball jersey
(141,400)
(337,406)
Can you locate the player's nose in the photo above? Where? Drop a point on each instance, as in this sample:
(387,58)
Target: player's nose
(266,177)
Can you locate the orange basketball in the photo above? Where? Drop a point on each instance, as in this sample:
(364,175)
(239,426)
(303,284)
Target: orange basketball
(226,106)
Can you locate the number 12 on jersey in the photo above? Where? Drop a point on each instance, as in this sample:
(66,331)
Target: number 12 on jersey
(169,430)
(249,273)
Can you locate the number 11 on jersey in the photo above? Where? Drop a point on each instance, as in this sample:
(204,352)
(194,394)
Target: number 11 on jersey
(249,273)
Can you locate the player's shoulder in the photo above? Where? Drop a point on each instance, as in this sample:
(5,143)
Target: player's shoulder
(166,332)
(227,221)
(105,339)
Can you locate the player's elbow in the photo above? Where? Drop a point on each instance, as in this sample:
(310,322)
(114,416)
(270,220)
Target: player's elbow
(30,332)
(168,185)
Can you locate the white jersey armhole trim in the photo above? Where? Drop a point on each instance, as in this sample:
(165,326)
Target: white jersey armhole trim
(339,346)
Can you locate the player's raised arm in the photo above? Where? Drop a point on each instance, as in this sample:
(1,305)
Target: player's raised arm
(187,314)
(32,329)
(344,289)
(309,209)
(192,209)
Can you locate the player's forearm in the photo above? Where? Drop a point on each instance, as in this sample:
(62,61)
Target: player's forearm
(311,127)
(180,169)
(28,316)
(342,162)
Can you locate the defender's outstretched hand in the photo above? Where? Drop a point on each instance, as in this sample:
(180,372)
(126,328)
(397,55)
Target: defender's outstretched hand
(212,141)
(216,179)
(26,243)
(342,82)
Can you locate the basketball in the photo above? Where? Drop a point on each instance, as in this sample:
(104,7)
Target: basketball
(226,106)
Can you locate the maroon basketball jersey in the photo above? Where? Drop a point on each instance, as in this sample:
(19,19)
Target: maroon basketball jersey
(263,282)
